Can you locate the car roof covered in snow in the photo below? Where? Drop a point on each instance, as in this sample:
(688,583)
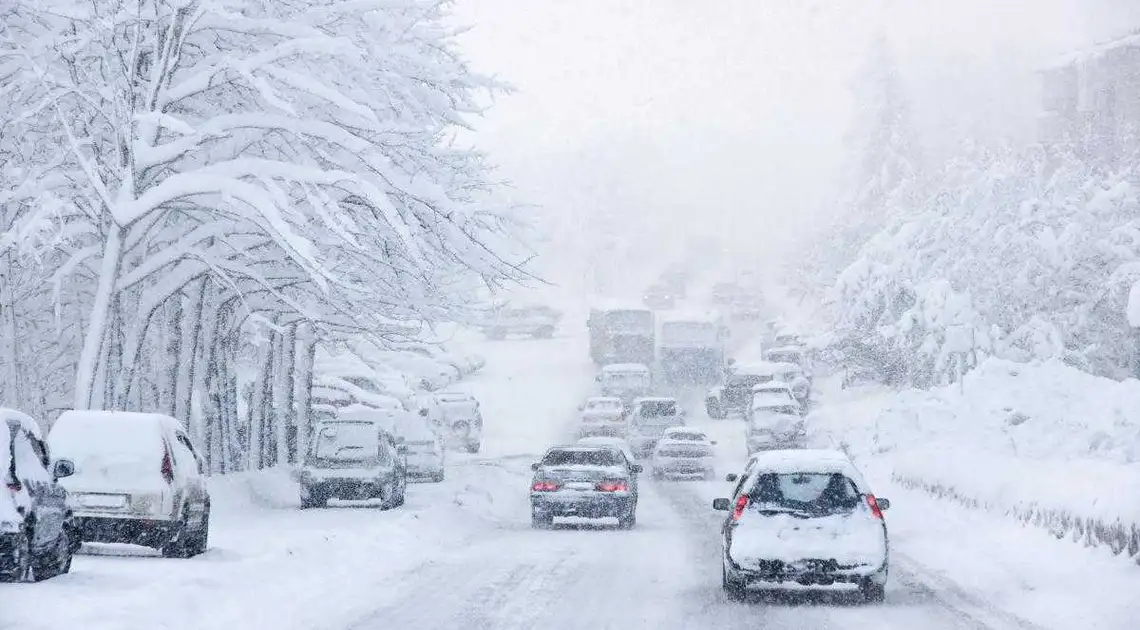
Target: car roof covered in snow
(625,367)
(807,460)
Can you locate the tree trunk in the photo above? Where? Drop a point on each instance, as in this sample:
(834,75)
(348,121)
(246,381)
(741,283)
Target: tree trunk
(93,341)
(12,393)
(259,406)
(112,363)
(303,388)
(172,355)
(185,384)
(283,393)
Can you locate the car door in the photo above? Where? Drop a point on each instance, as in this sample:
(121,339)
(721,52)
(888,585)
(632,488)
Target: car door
(32,470)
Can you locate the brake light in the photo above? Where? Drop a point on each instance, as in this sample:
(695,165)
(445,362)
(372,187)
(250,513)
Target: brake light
(544,486)
(741,503)
(167,467)
(612,486)
(873,503)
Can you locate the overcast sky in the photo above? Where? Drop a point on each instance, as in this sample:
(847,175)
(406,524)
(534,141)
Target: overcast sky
(676,117)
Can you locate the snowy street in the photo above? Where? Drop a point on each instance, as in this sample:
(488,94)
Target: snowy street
(463,554)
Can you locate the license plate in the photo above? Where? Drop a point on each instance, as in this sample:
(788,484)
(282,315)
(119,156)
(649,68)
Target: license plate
(103,500)
(577,485)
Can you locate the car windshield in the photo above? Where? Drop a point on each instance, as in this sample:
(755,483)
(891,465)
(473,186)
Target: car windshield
(823,493)
(346,441)
(583,457)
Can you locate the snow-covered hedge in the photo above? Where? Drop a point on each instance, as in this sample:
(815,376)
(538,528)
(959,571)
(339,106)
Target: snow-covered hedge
(1043,442)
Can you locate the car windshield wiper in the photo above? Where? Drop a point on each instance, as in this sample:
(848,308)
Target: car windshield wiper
(780,509)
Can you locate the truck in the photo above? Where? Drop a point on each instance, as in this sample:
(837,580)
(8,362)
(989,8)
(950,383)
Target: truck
(622,335)
(691,349)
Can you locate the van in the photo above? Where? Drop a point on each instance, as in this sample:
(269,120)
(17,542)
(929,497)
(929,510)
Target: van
(137,480)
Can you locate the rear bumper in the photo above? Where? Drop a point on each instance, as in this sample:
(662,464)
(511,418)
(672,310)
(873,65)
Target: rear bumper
(684,467)
(592,506)
(135,531)
(350,489)
(602,430)
(806,572)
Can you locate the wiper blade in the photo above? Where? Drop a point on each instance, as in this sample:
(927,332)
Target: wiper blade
(779,509)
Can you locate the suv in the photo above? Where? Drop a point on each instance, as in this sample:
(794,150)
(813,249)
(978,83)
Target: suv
(462,420)
(137,480)
(830,526)
(586,481)
(37,531)
(354,456)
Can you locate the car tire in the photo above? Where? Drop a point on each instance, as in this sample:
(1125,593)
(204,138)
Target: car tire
(57,562)
(733,590)
(473,447)
(199,542)
(21,563)
(544,333)
(313,499)
(438,477)
(714,410)
(178,545)
(658,475)
(539,520)
(628,519)
(872,593)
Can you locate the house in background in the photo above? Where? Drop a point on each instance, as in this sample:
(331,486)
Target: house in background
(1092,99)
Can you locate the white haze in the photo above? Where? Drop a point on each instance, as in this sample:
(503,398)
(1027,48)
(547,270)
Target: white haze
(654,120)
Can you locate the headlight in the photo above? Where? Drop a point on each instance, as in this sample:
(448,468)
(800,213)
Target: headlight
(145,503)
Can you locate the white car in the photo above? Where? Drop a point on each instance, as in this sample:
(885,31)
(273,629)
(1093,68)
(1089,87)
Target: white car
(602,415)
(790,354)
(775,426)
(422,444)
(137,480)
(683,457)
(625,380)
(804,518)
(462,425)
(535,321)
(615,442)
(777,390)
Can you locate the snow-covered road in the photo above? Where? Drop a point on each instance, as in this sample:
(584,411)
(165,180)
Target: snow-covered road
(462,554)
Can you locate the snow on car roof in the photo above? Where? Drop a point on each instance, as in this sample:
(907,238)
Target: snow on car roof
(803,460)
(625,367)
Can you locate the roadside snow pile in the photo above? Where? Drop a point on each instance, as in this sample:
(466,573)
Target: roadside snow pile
(272,488)
(1042,442)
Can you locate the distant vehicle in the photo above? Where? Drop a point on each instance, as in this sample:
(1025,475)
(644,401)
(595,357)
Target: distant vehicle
(816,503)
(683,457)
(774,390)
(746,307)
(602,415)
(462,420)
(422,445)
(353,457)
(622,335)
(775,424)
(614,442)
(787,338)
(584,481)
(735,394)
(692,349)
(791,354)
(659,297)
(535,321)
(37,529)
(725,292)
(625,380)
(138,480)
(675,280)
(648,419)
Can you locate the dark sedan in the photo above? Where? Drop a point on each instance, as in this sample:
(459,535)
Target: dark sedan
(584,481)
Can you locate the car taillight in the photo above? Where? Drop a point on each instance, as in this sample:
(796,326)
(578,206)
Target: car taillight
(741,503)
(873,503)
(544,486)
(612,486)
(167,467)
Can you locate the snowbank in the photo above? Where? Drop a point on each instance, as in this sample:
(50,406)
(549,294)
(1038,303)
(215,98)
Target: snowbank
(1042,442)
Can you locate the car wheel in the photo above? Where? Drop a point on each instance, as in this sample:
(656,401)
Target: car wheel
(628,520)
(439,476)
(539,520)
(872,593)
(473,447)
(732,589)
(658,475)
(714,410)
(20,562)
(199,541)
(55,561)
(313,499)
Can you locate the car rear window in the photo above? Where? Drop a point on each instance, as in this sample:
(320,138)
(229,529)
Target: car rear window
(346,441)
(826,493)
(592,457)
(693,436)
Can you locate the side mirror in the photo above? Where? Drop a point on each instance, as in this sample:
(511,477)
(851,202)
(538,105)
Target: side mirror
(598,378)
(731,477)
(884,504)
(63,468)
(423,413)
(722,505)
(637,468)
(534,466)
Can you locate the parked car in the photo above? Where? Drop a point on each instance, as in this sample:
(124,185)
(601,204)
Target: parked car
(583,481)
(426,457)
(648,420)
(535,321)
(829,524)
(735,394)
(37,528)
(462,425)
(354,457)
(683,457)
(602,415)
(626,381)
(138,480)
(791,354)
